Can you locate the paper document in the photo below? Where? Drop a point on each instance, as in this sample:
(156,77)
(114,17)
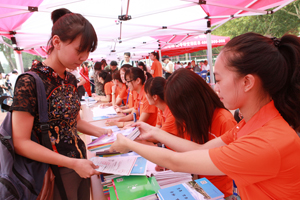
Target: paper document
(115,165)
(103,111)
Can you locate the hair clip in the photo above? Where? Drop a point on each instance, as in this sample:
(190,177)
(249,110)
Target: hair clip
(276,41)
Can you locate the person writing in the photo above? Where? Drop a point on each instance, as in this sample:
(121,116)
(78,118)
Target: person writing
(258,75)
(72,39)
(135,79)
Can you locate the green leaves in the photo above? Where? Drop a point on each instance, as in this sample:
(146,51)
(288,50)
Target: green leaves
(286,20)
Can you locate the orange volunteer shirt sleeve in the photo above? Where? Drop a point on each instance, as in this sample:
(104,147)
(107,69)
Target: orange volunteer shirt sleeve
(107,88)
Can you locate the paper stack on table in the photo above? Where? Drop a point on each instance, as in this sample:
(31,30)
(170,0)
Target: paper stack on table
(102,144)
(169,178)
(103,113)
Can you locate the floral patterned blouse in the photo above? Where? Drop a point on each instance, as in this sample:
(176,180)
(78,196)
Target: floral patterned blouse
(63,108)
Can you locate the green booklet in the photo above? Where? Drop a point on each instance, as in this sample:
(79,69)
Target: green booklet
(112,194)
(133,187)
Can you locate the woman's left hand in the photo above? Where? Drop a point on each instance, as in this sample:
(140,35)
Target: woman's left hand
(108,132)
(120,145)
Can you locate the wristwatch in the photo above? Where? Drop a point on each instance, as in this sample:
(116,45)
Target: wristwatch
(112,93)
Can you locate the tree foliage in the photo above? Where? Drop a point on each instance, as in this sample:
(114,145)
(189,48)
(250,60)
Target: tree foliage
(10,57)
(8,54)
(286,20)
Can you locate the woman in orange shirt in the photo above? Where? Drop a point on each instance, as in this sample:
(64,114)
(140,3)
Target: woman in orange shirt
(260,76)
(154,88)
(135,79)
(125,94)
(116,89)
(196,117)
(156,67)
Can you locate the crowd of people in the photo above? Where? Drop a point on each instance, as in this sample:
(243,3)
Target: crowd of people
(174,106)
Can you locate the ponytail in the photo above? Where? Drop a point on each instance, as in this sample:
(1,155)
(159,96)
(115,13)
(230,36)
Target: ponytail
(287,99)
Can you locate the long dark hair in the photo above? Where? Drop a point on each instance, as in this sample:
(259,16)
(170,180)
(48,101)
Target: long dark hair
(156,86)
(192,102)
(106,76)
(276,62)
(143,65)
(68,26)
(134,73)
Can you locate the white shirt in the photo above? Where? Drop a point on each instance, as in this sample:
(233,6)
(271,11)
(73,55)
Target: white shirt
(206,67)
(168,66)
(123,62)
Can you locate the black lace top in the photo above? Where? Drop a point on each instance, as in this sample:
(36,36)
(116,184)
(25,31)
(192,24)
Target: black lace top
(63,108)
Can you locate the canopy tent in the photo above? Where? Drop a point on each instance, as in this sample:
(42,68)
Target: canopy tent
(171,45)
(119,23)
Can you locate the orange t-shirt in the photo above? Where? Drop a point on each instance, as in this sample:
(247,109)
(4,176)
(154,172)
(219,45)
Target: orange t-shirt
(123,93)
(132,98)
(262,156)
(157,68)
(167,121)
(142,106)
(108,90)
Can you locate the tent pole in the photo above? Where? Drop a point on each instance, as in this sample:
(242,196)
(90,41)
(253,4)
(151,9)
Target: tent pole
(209,54)
(19,61)
(159,52)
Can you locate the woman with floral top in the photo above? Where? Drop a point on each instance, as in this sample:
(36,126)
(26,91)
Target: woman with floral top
(72,38)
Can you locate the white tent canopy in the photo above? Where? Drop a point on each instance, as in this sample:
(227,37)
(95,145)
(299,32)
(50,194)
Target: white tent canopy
(115,35)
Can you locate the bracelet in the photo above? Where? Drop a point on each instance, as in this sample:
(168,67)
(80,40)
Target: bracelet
(112,93)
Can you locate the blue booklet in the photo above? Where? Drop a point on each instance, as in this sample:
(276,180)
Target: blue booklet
(139,167)
(179,192)
(199,189)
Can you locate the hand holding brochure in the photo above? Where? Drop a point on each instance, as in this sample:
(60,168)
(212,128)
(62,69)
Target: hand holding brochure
(103,143)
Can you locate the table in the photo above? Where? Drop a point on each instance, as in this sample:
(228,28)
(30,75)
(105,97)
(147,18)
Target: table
(86,114)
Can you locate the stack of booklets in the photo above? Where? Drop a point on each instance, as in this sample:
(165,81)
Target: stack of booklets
(200,189)
(134,187)
(169,178)
(102,144)
(128,165)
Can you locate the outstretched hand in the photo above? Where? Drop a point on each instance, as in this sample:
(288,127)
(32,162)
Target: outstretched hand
(147,131)
(108,132)
(120,145)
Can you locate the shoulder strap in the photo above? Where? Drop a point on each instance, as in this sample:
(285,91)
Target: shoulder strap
(121,63)
(44,126)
